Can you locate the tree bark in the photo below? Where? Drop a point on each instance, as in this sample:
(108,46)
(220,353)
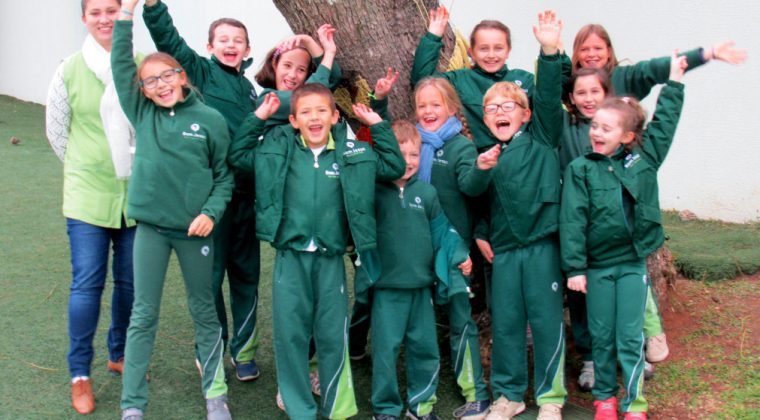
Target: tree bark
(371,36)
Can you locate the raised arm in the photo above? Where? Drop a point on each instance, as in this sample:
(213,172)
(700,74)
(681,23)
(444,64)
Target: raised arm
(429,49)
(546,125)
(390,162)
(379,97)
(123,65)
(58,114)
(243,149)
(167,39)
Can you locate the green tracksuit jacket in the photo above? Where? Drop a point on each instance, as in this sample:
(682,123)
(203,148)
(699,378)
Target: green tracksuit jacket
(525,184)
(470,84)
(180,168)
(610,205)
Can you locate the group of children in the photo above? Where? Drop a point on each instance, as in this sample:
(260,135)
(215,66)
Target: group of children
(547,191)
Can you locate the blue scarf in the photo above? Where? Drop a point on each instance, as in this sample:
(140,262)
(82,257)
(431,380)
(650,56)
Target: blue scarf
(433,141)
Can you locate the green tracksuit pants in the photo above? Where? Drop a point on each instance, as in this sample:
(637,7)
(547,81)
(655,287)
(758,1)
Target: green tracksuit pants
(404,316)
(527,287)
(576,302)
(152,250)
(309,297)
(465,349)
(615,298)
(236,251)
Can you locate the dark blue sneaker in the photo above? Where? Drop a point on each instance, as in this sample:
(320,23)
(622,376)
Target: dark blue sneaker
(246,371)
(474,410)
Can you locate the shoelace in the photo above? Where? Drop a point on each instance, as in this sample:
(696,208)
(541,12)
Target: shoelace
(472,405)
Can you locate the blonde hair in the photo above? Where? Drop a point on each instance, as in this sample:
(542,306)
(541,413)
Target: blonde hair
(507,90)
(632,117)
(406,132)
(450,99)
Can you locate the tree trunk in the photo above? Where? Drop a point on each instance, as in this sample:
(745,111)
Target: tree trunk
(371,36)
(662,275)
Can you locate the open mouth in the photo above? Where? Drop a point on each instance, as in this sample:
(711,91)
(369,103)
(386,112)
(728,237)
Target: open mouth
(289,84)
(166,95)
(230,55)
(315,130)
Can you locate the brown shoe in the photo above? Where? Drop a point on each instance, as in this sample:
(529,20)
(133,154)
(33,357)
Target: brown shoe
(81,396)
(116,368)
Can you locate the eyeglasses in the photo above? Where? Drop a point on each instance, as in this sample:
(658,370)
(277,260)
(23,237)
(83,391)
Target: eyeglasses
(506,107)
(167,76)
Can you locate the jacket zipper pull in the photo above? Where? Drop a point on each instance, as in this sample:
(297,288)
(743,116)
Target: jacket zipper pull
(171,113)
(316,161)
(401,197)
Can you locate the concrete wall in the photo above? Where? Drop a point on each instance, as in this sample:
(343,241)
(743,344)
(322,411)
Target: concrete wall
(712,167)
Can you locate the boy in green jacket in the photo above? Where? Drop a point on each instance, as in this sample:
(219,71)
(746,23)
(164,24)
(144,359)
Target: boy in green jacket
(225,88)
(521,239)
(415,242)
(314,186)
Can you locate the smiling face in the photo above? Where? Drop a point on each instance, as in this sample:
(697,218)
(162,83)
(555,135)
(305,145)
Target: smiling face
(607,133)
(165,94)
(98,18)
(431,109)
(314,117)
(587,94)
(490,49)
(593,52)
(504,124)
(229,45)
(291,69)
(410,150)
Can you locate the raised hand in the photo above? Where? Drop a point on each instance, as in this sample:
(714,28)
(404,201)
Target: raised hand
(325,33)
(439,19)
(267,108)
(366,115)
(385,84)
(678,66)
(725,51)
(202,226)
(489,158)
(128,5)
(548,32)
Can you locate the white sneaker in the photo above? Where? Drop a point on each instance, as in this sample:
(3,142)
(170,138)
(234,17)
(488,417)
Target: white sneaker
(657,348)
(503,409)
(586,378)
(550,411)
(648,371)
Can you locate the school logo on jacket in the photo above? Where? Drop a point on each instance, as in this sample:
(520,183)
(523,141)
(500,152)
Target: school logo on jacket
(437,159)
(353,150)
(631,160)
(417,204)
(333,171)
(193,133)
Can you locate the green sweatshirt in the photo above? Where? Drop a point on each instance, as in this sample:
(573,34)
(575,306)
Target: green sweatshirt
(358,166)
(575,140)
(470,84)
(610,205)
(180,168)
(457,180)
(525,186)
(416,244)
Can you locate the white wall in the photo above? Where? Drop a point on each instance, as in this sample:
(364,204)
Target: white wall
(712,167)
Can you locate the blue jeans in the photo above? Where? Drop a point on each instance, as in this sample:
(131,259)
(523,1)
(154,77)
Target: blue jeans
(89,266)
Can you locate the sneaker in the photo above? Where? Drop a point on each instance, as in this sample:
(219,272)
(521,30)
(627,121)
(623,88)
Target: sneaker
(648,371)
(635,416)
(504,409)
(606,409)
(278,400)
(384,417)
(245,371)
(657,348)
(430,416)
(550,411)
(116,368)
(473,410)
(132,414)
(314,381)
(586,378)
(216,408)
(82,398)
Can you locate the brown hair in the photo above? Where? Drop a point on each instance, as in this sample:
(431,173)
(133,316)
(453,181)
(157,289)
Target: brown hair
(227,21)
(507,90)
(632,116)
(310,89)
(406,132)
(161,58)
(450,99)
(582,36)
(266,77)
(84,5)
(601,75)
(491,24)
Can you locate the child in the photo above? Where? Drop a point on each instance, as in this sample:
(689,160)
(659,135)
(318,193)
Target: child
(314,188)
(94,199)
(180,159)
(225,88)
(592,47)
(521,238)
(490,44)
(605,254)
(413,233)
